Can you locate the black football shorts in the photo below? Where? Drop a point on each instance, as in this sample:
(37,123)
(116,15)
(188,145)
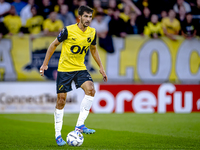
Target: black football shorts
(64,80)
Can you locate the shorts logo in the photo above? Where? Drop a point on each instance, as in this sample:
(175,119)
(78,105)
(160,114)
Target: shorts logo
(89,77)
(74,39)
(89,39)
(60,87)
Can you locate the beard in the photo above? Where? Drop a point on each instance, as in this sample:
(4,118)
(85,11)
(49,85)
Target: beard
(84,23)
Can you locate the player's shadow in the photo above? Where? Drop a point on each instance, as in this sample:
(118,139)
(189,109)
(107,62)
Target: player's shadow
(65,147)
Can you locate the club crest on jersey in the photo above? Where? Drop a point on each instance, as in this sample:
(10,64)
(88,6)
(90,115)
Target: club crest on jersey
(89,39)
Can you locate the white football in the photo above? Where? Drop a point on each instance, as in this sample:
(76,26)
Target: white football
(75,138)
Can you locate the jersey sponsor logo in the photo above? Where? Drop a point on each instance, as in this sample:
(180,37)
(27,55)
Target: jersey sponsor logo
(89,39)
(75,49)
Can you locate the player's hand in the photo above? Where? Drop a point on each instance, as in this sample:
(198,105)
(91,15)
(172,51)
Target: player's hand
(42,68)
(105,78)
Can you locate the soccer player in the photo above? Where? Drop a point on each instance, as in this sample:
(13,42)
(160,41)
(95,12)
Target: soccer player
(77,39)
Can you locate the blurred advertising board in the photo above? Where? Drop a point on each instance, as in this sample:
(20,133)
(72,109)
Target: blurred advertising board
(35,97)
(40,97)
(136,59)
(167,97)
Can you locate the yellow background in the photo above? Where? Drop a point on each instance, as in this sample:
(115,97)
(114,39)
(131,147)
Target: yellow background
(22,48)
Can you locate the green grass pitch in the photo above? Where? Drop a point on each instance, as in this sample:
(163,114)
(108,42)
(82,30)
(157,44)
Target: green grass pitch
(113,131)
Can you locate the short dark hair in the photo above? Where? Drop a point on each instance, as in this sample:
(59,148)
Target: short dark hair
(83,9)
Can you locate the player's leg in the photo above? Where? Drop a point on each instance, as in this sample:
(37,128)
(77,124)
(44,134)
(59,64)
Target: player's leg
(86,104)
(58,117)
(63,85)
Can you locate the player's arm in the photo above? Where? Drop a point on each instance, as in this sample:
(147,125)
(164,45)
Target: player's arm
(61,37)
(95,55)
(49,53)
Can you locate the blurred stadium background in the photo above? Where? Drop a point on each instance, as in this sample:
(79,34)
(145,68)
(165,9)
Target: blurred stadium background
(146,74)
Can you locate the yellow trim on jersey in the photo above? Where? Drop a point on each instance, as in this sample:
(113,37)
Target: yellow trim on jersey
(74,48)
